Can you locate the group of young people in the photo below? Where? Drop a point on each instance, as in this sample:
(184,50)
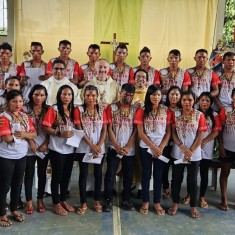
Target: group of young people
(136,116)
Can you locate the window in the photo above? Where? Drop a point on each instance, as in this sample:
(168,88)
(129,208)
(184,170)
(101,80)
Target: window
(3,17)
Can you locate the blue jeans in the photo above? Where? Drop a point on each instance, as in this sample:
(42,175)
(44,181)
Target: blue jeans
(158,166)
(128,171)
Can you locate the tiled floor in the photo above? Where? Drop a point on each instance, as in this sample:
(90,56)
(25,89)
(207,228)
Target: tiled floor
(212,221)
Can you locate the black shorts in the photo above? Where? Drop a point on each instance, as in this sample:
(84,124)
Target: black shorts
(230,157)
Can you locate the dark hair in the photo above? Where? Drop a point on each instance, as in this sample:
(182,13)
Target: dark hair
(228,54)
(188,92)
(65,42)
(58,61)
(121,46)
(60,105)
(148,106)
(175,52)
(36,44)
(145,49)
(94,46)
(167,103)
(141,70)
(30,96)
(11,78)
(91,88)
(201,50)
(12,94)
(233,92)
(209,112)
(6,46)
(128,87)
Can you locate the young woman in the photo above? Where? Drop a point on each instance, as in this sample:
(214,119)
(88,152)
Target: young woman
(16,129)
(213,124)
(188,125)
(36,109)
(153,125)
(11,83)
(227,148)
(173,103)
(92,119)
(58,123)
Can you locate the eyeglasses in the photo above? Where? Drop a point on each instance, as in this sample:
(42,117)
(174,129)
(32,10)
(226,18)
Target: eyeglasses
(61,69)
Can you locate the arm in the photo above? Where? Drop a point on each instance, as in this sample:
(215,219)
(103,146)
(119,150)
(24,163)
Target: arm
(25,135)
(166,137)
(131,141)
(197,142)
(210,137)
(156,151)
(52,131)
(215,91)
(112,138)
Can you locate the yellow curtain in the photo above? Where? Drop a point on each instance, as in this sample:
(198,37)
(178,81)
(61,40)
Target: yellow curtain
(161,25)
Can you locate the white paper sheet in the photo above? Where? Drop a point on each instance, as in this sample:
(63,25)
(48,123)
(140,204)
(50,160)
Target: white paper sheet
(40,154)
(90,159)
(181,161)
(76,138)
(161,157)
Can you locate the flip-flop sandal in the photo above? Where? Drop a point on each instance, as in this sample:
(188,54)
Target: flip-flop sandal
(67,207)
(166,195)
(59,210)
(5,223)
(160,212)
(98,208)
(41,207)
(185,201)
(29,210)
(172,211)
(18,217)
(196,215)
(144,211)
(81,210)
(223,207)
(203,205)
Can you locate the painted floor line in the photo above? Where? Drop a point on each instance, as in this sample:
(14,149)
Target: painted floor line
(116,212)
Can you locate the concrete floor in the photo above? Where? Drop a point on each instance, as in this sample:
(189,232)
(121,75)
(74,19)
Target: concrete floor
(212,221)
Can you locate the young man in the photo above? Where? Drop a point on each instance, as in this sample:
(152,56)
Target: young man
(72,66)
(33,72)
(87,71)
(120,71)
(122,134)
(227,81)
(202,78)
(141,79)
(153,74)
(173,75)
(57,80)
(108,89)
(7,68)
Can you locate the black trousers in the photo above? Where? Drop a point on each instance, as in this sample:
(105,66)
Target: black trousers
(29,175)
(204,169)
(11,177)
(128,172)
(83,178)
(192,172)
(61,165)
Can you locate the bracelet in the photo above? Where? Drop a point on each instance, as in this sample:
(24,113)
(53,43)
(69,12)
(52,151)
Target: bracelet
(180,144)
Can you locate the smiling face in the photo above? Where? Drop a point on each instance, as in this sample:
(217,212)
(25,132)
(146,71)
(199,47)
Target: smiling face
(15,104)
(59,71)
(174,97)
(140,80)
(102,68)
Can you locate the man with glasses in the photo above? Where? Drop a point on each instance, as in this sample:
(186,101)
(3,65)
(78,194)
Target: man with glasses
(57,80)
